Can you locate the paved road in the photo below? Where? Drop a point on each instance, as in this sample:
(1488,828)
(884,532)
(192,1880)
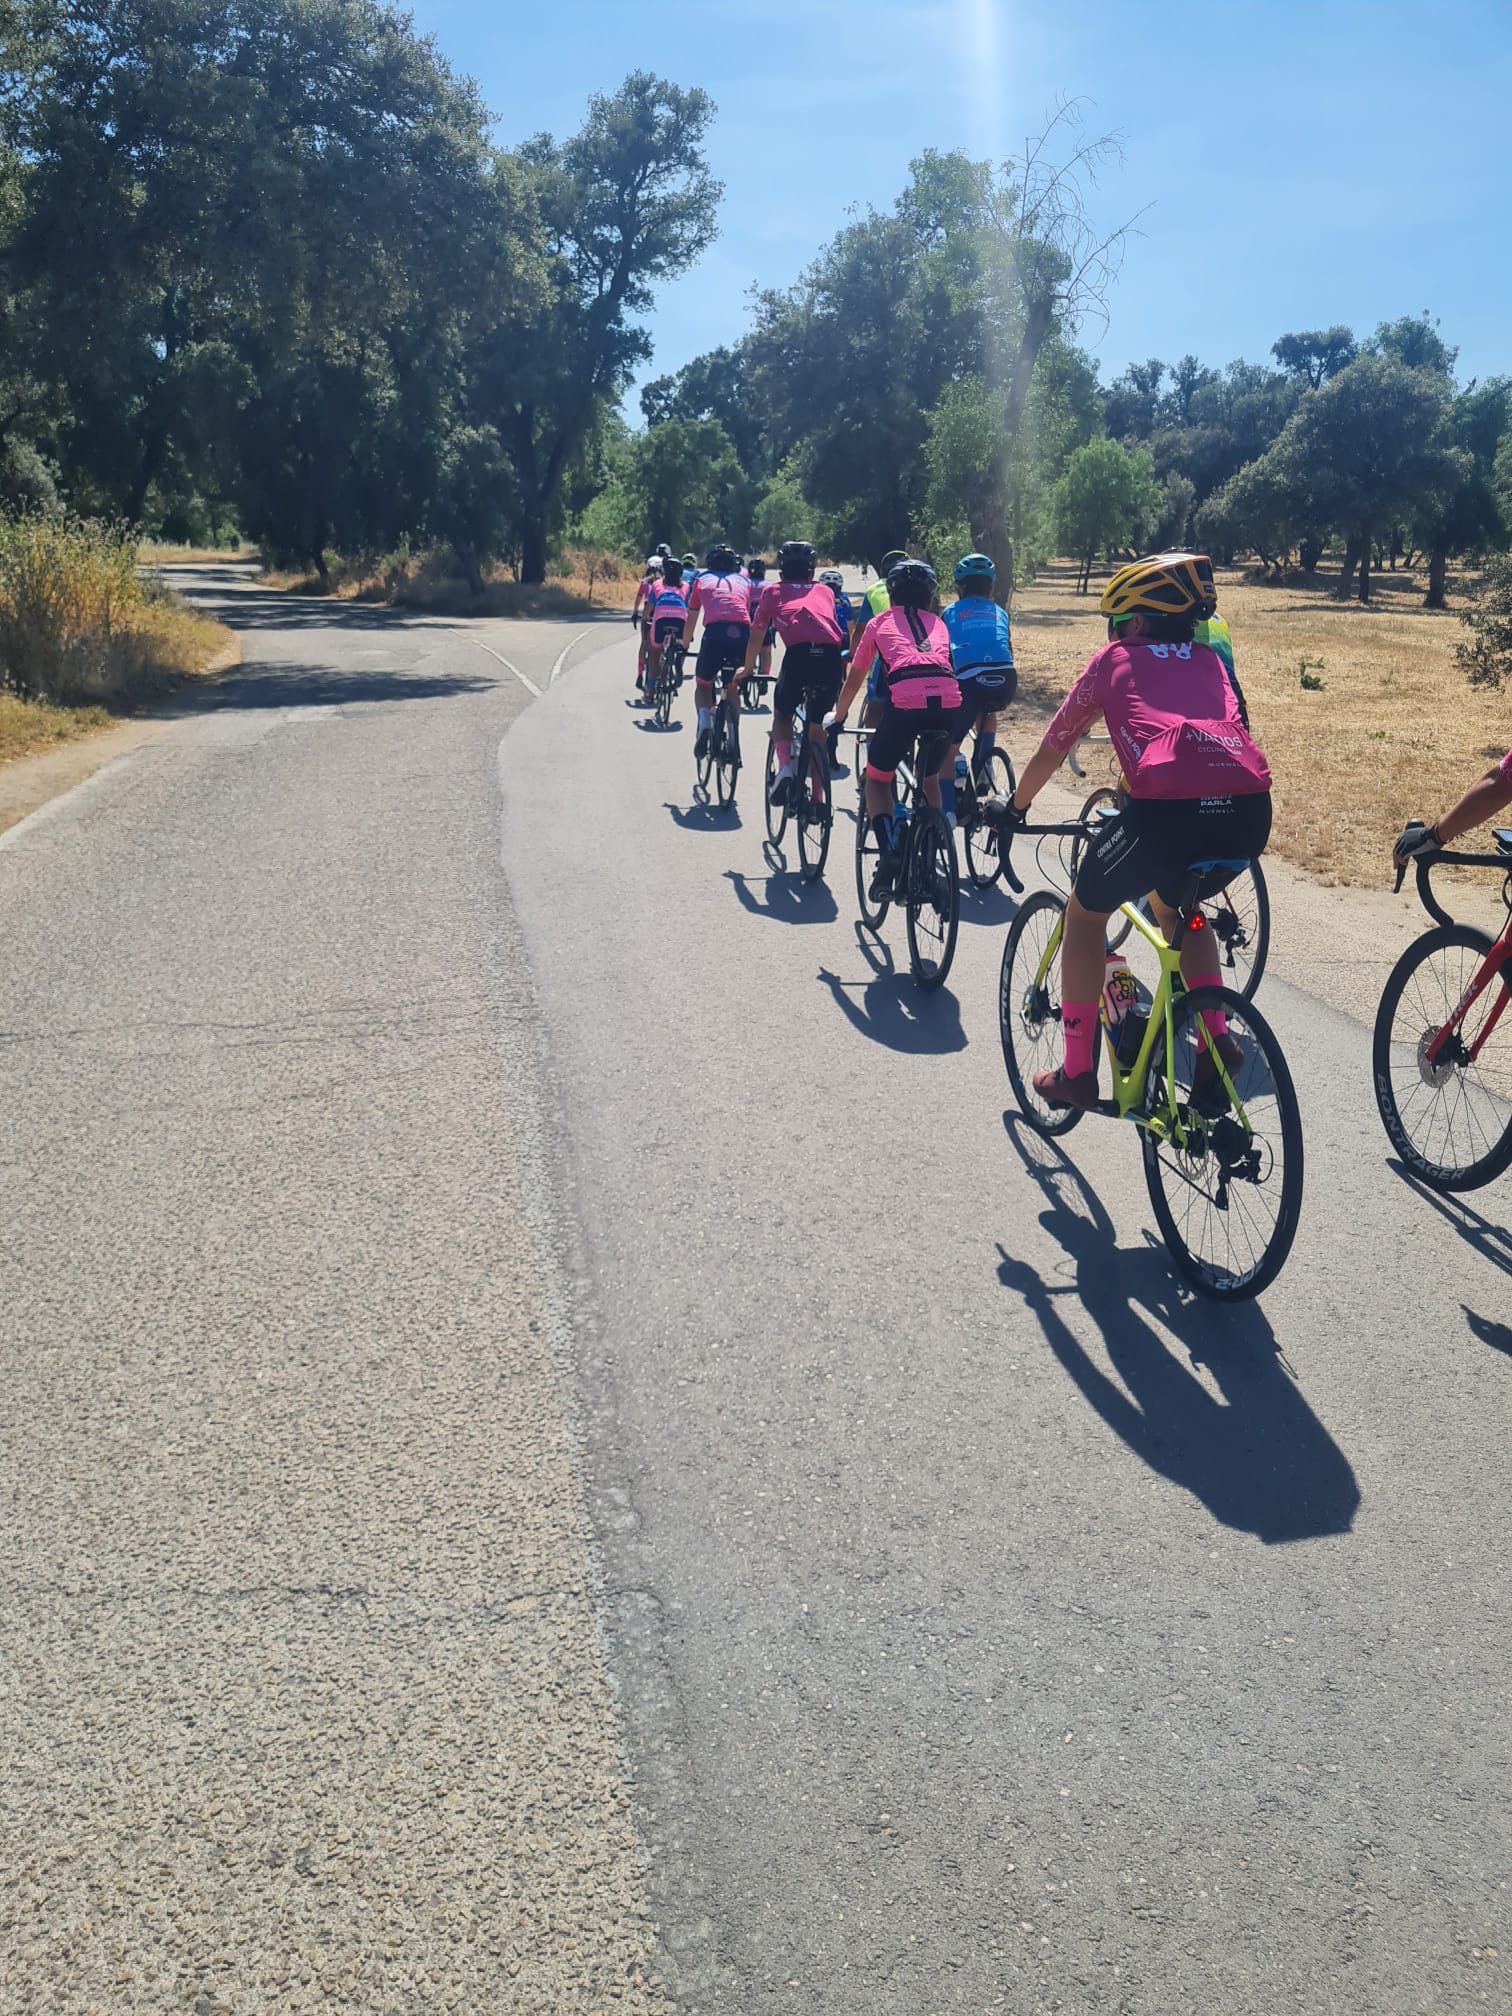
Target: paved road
(992,1626)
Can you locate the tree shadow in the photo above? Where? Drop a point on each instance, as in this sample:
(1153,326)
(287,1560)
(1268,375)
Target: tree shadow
(280,686)
(1255,1454)
(1490,1241)
(891,1009)
(788,898)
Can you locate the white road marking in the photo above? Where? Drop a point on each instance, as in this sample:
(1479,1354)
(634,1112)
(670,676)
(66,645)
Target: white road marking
(529,684)
(562,654)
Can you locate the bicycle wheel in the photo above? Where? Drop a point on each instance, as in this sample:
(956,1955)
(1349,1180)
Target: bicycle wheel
(703,766)
(1449,1117)
(664,689)
(1227,1189)
(868,853)
(933,896)
(1029,1010)
(1239,917)
(776,815)
(994,778)
(726,743)
(814,811)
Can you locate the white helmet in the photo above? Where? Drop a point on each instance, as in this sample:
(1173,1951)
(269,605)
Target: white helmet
(653,563)
(833,578)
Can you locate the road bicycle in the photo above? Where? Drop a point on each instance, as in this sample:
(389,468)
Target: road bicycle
(986,779)
(1441,1056)
(1238,916)
(721,757)
(1221,1141)
(668,679)
(927,878)
(809,804)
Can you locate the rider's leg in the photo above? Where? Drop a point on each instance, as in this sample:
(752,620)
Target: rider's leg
(986,740)
(653,663)
(1084,958)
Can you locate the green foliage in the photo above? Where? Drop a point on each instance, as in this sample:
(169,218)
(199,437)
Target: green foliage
(1307,675)
(1487,655)
(1311,356)
(685,486)
(783,511)
(1104,494)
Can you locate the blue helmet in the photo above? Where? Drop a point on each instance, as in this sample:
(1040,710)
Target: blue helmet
(974,567)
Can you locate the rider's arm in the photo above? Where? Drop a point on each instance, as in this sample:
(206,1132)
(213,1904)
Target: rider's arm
(855,675)
(1078,711)
(759,622)
(695,603)
(1481,802)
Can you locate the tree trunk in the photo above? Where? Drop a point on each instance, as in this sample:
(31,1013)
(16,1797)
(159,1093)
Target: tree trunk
(1351,561)
(467,554)
(322,568)
(533,545)
(1310,553)
(1438,579)
(1365,572)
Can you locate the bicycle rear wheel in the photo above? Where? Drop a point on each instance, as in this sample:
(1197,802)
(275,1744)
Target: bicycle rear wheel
(703,766)
(1029,1010)
(868,854)
(813,810)
(1448,1117)
(665,686)
(994,778)
(726,748)
(1226,1179)
(932,893)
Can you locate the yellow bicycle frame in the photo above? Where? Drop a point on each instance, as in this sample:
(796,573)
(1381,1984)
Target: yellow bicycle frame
(1129,1086)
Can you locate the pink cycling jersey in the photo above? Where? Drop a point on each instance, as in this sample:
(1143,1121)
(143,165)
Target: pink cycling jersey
(802,611)
(1174,717)
(723,598)
(913,672)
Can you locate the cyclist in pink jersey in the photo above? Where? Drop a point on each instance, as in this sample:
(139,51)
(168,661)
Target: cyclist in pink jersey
(1481,802)
(666,618)
(1198,790)
(918,692)
(640,615)
(721,594)
(802,610)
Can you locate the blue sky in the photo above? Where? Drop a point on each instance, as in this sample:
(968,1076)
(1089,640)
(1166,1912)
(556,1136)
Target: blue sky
(1305,164)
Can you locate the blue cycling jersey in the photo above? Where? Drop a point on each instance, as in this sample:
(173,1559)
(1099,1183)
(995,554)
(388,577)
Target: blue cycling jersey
(979,633)
(846,614)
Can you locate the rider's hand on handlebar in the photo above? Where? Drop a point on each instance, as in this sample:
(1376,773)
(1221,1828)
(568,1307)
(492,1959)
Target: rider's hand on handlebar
(1001,812)
(1416,838)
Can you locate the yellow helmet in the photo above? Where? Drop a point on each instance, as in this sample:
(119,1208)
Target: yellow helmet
(1170,584)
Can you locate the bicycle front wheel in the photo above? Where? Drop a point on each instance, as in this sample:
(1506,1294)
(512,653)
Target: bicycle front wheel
(1223,1150)
(933,897)
(1449,1115)
(814,812)
(1029,1009)
(994,779)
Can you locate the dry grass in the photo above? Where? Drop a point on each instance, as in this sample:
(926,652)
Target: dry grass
(27,726)
(1393,731)
(428,580)
(153,553)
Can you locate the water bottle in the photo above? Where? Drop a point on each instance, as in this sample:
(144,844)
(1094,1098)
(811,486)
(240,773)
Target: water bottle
(962,772)
(1126,1010)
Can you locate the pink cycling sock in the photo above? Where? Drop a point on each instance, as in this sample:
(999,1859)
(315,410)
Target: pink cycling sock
(1079,1026)
(784,752)
(1216,1021)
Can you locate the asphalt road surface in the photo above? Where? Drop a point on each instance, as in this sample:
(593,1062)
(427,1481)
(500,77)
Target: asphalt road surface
(405,1082)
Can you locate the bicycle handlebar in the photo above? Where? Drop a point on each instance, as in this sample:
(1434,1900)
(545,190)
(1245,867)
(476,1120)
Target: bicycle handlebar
(1444,858)
(1064,829)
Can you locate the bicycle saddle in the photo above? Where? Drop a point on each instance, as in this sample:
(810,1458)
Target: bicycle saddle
(1219,861)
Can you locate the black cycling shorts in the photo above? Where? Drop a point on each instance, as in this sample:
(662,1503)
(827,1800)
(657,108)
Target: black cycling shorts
(723,649)
(666,627)
(893,736)
(818,668)
(983,691)
(1153,843)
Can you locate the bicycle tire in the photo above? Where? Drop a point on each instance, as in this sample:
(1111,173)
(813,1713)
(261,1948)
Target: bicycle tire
(983,863)
(815,811)
(776,815)
(725,738)
(1029,1019)
(1217,1145)
(665,688)
(1412,1132)
(868,853)
(703,766)
(932,890)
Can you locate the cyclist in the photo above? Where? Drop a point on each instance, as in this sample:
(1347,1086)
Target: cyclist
(650,581)
(919,693)
(1481,802)
(872,603)
(721,594)
(756,572)
(1198,789)
(834,580)
(802,611)
(981,647)
(668,619)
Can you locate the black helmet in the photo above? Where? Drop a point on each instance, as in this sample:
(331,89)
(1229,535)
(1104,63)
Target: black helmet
(672,573)
(795,560)
(722,560)
(911,584)
(756,568)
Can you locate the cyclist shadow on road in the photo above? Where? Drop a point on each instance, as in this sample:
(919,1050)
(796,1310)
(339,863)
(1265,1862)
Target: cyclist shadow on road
(704,816)
(891,1010)
(789,899)
(1255,1454)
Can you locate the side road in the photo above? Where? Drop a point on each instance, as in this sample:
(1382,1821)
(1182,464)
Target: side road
(303,1698)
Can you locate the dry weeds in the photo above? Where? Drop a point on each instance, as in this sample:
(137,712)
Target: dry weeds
(27,726)
(1394,729)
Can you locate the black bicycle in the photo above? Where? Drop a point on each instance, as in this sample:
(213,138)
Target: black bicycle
(927,882)
(989,778)
(721,758)
(668,678)
(807,804)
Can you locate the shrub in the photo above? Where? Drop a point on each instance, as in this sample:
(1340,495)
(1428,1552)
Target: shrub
(67,591)
(1487,658)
